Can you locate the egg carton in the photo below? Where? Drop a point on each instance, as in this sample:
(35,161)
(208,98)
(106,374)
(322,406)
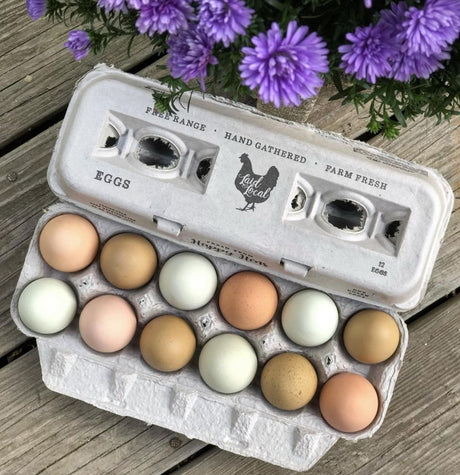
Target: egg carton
(243,423)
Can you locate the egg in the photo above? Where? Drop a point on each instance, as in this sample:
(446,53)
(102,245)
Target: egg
(68,242)
(227,363)
(371,336)
(288,381)
(248,300)
(128,261)
(107,323)
(47,305)
(348,402)
(309,318)
(188,281)
(167,343)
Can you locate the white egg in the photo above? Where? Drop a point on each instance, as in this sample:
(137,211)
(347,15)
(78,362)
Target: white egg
(188,281)
(47,305)
(228,363)
(310,318)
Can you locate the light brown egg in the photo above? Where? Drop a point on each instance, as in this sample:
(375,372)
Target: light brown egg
(107,323)
(371,336)
(348,402)
(167,343)
(288,381)
(68,242)
(128,261)
(248,300)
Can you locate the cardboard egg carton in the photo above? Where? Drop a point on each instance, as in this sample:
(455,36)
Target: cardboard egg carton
(244,423)
(310,209)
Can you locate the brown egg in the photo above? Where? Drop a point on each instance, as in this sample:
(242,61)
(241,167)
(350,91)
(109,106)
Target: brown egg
(288,381)
(248,300)
(371,336)
(107,323)
(68,242)
(128,261)
(167,343)
(348,402)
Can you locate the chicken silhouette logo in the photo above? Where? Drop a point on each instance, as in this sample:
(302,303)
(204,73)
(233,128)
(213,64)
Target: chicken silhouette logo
(254,188)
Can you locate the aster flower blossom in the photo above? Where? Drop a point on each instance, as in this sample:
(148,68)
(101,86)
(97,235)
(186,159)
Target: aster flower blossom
(190,53)
(406,60)
(285,69)
(78,43)
(113,5)
(224,19)
(160,16)
(368,3)
(36,8)
(429,30)
(369,54)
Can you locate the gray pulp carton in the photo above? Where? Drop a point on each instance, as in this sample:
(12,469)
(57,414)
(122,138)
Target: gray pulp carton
(309,208)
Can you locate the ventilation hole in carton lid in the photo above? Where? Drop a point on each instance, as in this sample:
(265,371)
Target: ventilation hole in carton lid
(298,202)
(392,231)
(345,214)
(203,169)
(158,152)
(111,137)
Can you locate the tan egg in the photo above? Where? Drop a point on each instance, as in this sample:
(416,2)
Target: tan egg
(167,343)
(288,381)
(248,300)
(371,336)
(107,323)
(128,261)
(68,242)
(348,402)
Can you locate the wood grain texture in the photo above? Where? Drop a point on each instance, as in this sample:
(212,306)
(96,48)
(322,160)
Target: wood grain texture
(39,74)
(44,432)
(420,432)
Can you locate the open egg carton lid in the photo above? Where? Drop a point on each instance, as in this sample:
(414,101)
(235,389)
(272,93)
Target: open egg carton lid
(222,178)
(243,423)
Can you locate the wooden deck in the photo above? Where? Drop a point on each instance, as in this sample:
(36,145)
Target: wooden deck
(44,432)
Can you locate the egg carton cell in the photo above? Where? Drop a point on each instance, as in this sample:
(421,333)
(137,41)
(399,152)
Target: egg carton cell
(244,422)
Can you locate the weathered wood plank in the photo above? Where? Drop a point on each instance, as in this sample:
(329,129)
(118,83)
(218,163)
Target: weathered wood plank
(44,432)
(38,73)
(420,432)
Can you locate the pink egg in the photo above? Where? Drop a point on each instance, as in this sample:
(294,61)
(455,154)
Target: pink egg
(107,323)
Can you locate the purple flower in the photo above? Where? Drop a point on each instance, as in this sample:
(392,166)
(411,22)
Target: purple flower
(368,55)
(286,70)
(190,52)
(404,61)
(36,8)
(78,43)
(224,19)
(368,3)
(113,5)
(158,16)
(404,65)
(431,29)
